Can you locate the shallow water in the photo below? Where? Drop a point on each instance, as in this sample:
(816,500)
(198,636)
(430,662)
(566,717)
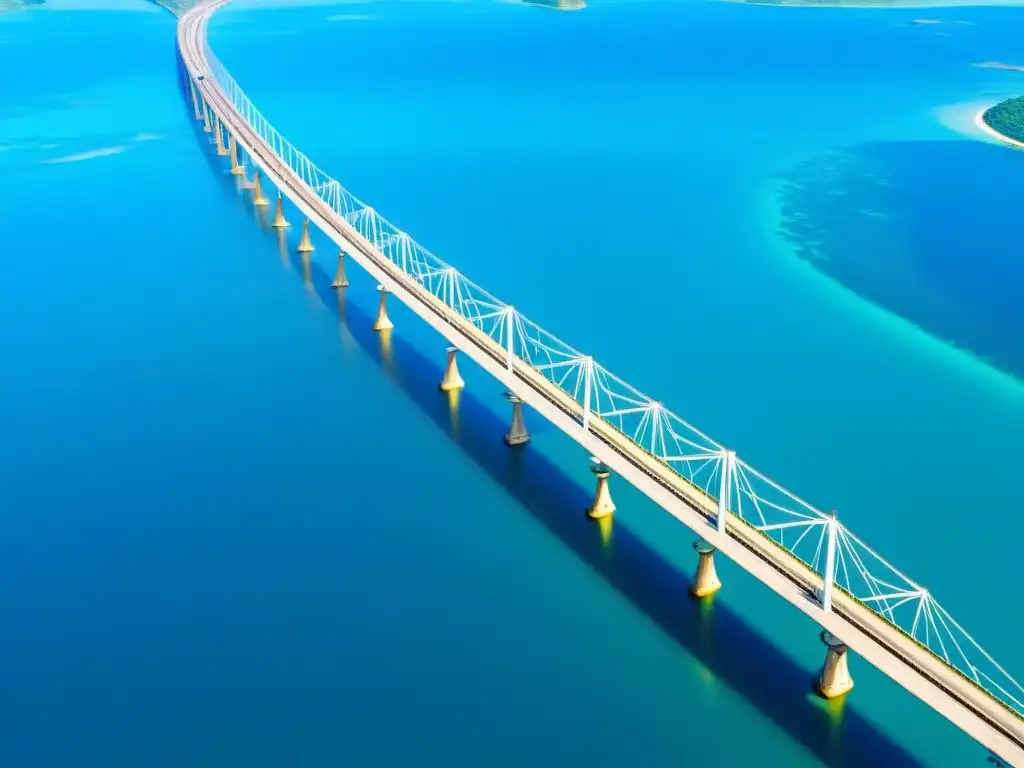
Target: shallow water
(239,527)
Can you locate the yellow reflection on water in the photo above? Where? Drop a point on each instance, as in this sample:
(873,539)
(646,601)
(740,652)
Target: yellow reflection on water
(833,709)
(385,350)
(453,410)
(282,248)
(348,341)
(704,607)
(262,217)
(605,526)
(307,272)
(705,624)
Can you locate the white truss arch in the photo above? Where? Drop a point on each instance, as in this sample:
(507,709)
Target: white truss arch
(741,494)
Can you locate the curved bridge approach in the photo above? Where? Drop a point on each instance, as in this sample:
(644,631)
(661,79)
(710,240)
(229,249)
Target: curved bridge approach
(809,558)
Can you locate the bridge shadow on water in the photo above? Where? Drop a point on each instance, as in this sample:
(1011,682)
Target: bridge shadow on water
(714,634)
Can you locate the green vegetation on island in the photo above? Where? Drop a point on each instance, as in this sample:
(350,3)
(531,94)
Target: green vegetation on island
(1007,117)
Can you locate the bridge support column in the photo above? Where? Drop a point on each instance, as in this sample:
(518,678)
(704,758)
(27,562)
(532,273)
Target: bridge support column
(206,118)
(602,505)
(340,279)
(279,220)
(218,138)
(517,433)
(452,379)
(706,581)
(835,680)
(305,244)
(383,322)
(236,168)
(257,191)
(195,102)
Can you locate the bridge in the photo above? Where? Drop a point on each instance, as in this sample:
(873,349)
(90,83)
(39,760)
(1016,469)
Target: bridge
(808,557)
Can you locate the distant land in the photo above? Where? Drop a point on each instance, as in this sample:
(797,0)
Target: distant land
(18,5)
(882,4)
(558,5)
(1000,65)
(1007,119)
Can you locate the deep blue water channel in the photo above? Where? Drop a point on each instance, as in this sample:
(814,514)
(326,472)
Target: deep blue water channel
(238,528)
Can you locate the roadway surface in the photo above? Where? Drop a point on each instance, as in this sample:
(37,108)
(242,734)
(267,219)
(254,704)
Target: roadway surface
(918,670)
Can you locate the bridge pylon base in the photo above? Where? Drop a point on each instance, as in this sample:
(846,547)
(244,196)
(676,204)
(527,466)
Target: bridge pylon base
(452,379)
(602,505)
(835,680)
(383,322)
(305,244)
(280,222)
(258,198)
(340,278)
(706,582)
(236,168)
(517,433)
(218,139)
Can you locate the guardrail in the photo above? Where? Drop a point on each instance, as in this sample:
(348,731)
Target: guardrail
(735,492)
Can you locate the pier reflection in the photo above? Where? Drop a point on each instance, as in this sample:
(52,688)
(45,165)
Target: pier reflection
(605,526)
(347,340)
(307,273)
(386,355)
(282,248)
(453,411)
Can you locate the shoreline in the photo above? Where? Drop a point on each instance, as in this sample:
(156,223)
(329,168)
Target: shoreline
(979,120)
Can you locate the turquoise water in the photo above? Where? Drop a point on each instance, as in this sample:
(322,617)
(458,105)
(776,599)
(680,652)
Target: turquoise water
(240,529)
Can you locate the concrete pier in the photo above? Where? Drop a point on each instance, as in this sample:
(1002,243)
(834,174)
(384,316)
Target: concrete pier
(835,680)
(195,103)
(602,505)
(305,244)
(257,191)
(340,278)
(452,379)
(280,222)
(517,433)
(236,167)
(706,581)
(206,119)
(218,138)
(383,322)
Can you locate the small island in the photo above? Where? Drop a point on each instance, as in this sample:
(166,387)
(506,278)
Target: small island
(558,5)
(1005,120)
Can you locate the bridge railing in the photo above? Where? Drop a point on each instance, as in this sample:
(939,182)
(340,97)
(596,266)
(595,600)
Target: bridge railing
(797,528)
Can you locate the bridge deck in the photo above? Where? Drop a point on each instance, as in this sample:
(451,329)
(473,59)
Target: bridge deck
(880,643)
